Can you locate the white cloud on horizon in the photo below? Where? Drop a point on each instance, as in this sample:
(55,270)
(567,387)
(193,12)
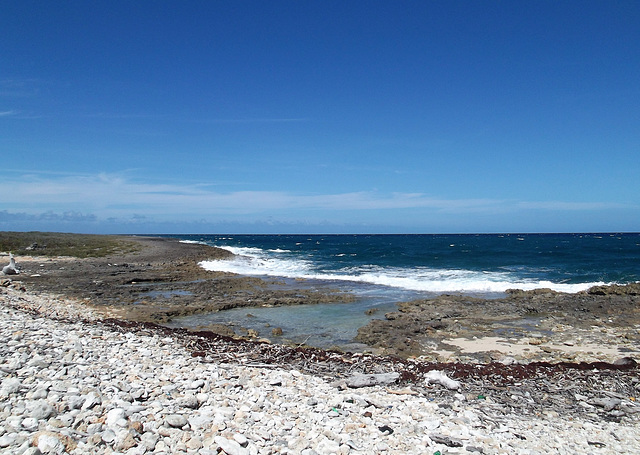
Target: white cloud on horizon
(570,206)
(114,196)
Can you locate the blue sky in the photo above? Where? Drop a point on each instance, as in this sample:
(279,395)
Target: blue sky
(320,116)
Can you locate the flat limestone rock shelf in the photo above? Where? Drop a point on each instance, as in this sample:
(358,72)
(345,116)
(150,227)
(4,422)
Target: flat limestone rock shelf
(152,279)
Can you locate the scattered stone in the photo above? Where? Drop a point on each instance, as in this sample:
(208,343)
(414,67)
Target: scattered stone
(189,400)
(607,403)
(446,440)
(107,389)
(50,442)
(176,420)
(241,439)
(116,418)
(6,440)
(40,410)
(625,361)
(230,447)
(370,380)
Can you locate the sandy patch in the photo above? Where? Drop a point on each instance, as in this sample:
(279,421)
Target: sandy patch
(506,347)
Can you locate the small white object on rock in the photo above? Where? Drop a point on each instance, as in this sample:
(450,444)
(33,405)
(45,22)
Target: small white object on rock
(10,269)
(438,377)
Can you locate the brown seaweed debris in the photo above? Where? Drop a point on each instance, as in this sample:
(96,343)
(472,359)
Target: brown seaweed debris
(215,347)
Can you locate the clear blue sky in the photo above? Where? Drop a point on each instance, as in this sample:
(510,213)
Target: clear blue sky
(320,116)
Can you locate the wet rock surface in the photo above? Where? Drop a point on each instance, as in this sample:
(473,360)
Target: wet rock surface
(602,323)
(159,281)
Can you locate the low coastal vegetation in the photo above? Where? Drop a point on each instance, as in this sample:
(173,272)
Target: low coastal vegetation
(64,244)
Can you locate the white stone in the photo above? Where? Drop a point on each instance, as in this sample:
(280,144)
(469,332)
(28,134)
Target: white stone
(327,447)
(176,420)
(91,399)
(235,400)
(197,384)
(241,439)
(108,436)
(6,440)
(116,418)
(50,444)
(41,410)
(30,423)
(197,422)
(10,385)
(189,400)
(230,447)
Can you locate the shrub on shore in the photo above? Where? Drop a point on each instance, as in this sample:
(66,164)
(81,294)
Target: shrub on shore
(64,244)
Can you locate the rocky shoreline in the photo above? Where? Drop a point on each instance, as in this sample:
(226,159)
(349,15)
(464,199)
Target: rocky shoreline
(74,383)
(158,281)
(600,324)
(85,368)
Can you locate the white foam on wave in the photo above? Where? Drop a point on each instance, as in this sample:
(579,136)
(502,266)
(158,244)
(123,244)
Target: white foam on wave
(257,262)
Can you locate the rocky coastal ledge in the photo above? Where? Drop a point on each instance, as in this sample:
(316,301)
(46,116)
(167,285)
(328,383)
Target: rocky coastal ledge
(73,383)
(600,324)
(85,368)
(153,279)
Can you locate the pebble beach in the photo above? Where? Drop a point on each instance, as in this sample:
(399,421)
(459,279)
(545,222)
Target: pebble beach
(71,384)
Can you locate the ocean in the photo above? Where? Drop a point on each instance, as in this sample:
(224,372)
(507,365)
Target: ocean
(382,270)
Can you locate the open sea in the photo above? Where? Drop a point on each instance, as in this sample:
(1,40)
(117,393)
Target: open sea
(382,270)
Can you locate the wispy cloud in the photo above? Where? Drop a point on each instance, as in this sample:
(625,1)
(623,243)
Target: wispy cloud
(108,192)
(18,115)
(122,115)
(117,196)
(570,206)
(250,120)
(19,88)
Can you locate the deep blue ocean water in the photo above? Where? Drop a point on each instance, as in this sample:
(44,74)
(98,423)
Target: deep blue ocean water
(385,269)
